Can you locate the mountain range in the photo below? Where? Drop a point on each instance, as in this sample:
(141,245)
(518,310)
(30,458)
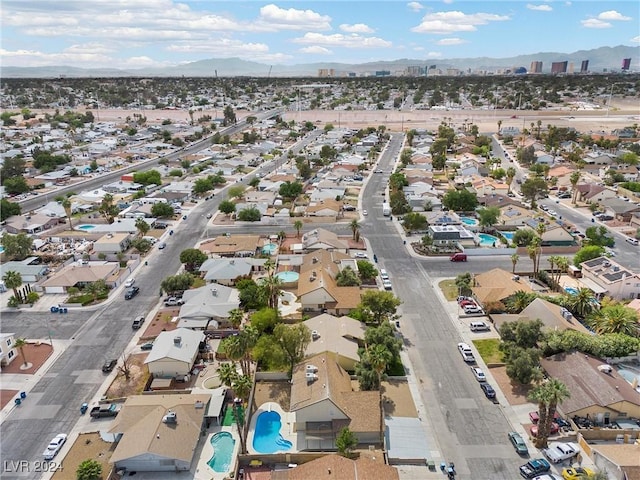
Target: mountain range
(600,60)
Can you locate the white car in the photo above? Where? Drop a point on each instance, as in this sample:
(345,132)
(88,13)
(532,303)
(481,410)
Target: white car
(129,283)
(559,452)
(361,255)
(468,309)
(387,284)
(54,446)
(479,374)
(364,212)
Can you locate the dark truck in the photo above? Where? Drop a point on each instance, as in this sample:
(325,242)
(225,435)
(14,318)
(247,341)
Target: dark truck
(107,410)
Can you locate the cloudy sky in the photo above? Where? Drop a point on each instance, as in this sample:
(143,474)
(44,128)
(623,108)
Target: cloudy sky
(143,33)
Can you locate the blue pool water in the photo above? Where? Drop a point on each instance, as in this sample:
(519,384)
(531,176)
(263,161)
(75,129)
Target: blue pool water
(223,444)
(487,240)
(267,437)
(288,276)
(1,249)
(571,290)
(508,235)
(86,227)
(269,248)
(469,221)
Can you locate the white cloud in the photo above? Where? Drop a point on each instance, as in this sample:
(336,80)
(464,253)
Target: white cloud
(415,6)
(447,1)
(434,55)
(316,50)
(450,41)
(595,23)
(635,39)
(356,28)
(540,8)
(33,58)
(340,40)
(454,21)
(293,19)
(612,15)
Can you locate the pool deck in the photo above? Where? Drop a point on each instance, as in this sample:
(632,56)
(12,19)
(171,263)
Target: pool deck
(286,430)
(203,470)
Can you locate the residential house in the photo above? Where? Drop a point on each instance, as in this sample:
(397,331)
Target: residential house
(620,209)
(174,353)
(232,245)
(29,271)
(543,158)
(620,462)
(514,215)
(8,351)
(158,432)
(326,191)
(208,307)
(321,239)
(258,196)
(324,402)
(604,276)
(341,335)
(593,193)
(557,236)
(451,235)
(333,466)
(328,208)
(80,274)
(226,271)
(497,285)
(112,243)
(596,388)
(317,287)
(598,158)
(554,317)
(31,223)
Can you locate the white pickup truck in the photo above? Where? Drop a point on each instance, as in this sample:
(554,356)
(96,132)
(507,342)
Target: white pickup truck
(559,452)
(467,354)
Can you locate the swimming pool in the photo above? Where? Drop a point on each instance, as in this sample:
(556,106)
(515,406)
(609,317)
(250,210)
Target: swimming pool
(85,227)
(288,276)
(487,240)
(267,437)
(1,249)
(269,248)
(469,221)
(571,290)
(223,444)
(508,235)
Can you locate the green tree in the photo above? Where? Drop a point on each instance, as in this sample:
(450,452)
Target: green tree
(347,277)
(229,116)
(379,357)
(615,318)
(177,284)
(107,208)
(290,190)
(17,247)
(12,167)
(66,204)
(414,221)
(587,253)
(523,365)
(599,236)
(162,210)
(20,343)
(460,200)
(523,237)
(264,320)
(293,340)
(510,174)
(574,179)
(238,347)
(89,470)
(15,185)
(227,373)
(149,177)
(235,317)
(251,214)
(192,258)
(366,270)
(298,226)
(227,207)
(488,217)
(355,230)
(378,306)
(142,226)
(522,333)
(13,280)
(514,261)
(519,301)
(236,191)
(463,282)
(252,296)
(254,182)
(547,395)
(8,209)
(346,442)
(534,188)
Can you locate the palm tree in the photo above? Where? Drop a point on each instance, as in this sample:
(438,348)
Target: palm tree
(355,229)
(548,396)
(66,204)
(499,126)
(379,357)
(142,226)
(272,286)
(514,261)
(574,179)
(241,389)
(298,226)
(13,280)
(614,319)
(227,373)
(562,263)
(20,343)
(519,301)
(511,174)
(582,303)
(553,262)
(533,251)
(235,317)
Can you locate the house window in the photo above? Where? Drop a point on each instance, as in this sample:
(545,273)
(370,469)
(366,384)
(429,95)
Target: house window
(622,414)
(11,354)
(8,342)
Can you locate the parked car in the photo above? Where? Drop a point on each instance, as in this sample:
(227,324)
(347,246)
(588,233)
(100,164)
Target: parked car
(632,241)
(361,255)
(458,257)
(132,292)
(137,323)
(558,452)
(470,309)
(534,467)
(109,365)
(547,476)
(146,346)
(102,411)
(209,215)
(479,374)
(479,327)
(467,354)
(533,429)
(518,443)
(162,246)
(173,302)
(488,390)
(129,283)
(464,303)
(54,446)
(364,212)
(387,284)
(576,473)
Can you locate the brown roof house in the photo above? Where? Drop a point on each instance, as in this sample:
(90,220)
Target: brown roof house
(324,208)
(336,467)
(621,462)
(497,284)
(317,287)
(596,388)
(158,432)
(341,335)
(232,245)
(324,402)
(553,316)
(28,223)
(81,274)
(321,239)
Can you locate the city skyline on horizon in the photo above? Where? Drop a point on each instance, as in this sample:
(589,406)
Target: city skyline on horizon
(161,33)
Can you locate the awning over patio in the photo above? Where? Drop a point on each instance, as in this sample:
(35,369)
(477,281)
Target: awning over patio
(591,285)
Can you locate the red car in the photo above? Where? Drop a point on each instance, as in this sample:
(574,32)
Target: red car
(553,430)
(467,302)
(534,417)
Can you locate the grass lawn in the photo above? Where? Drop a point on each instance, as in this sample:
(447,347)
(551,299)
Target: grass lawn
(488,350)
(198,282)
(449,289)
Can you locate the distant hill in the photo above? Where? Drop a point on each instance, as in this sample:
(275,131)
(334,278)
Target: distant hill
(609,58)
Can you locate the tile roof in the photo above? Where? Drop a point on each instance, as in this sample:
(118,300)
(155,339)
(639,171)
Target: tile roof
(232,244)
(72,274)
(314,238)
(588,385)
(496,285)
(627,456)
(140,422)
(336,467)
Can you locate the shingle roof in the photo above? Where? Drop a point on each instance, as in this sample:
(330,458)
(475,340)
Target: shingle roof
(496,285)
(336,467)
(73,274)
(551,316)
(165,345)
(232,244)
(339,335)
(210,301)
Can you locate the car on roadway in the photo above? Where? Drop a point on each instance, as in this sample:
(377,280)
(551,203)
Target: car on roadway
(387,284)
(576,473)
(488,390)
(209,215)
(137,322)
(378,170)
(131,292)
(162,246)
(518,443)
(129,283)
(479,374)
(632,241)
(547,476)
(364,212)
(54,446)
(146,346)
(109,365)
(184,217)
(534,467)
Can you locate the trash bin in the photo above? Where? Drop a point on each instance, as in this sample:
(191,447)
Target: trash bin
(23,395)
(54,309)
(61,310)
(18,401)
(64,310)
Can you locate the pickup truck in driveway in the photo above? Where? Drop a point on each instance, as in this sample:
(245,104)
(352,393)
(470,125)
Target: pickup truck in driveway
(559,452)
(173,302)
(107,410)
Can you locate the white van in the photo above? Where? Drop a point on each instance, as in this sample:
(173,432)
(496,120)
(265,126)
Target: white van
(632,241)
(480,327)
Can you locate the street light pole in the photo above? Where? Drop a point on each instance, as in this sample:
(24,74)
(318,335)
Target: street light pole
(49,332)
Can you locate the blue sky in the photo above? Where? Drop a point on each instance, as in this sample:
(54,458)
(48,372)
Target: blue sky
(152,33)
